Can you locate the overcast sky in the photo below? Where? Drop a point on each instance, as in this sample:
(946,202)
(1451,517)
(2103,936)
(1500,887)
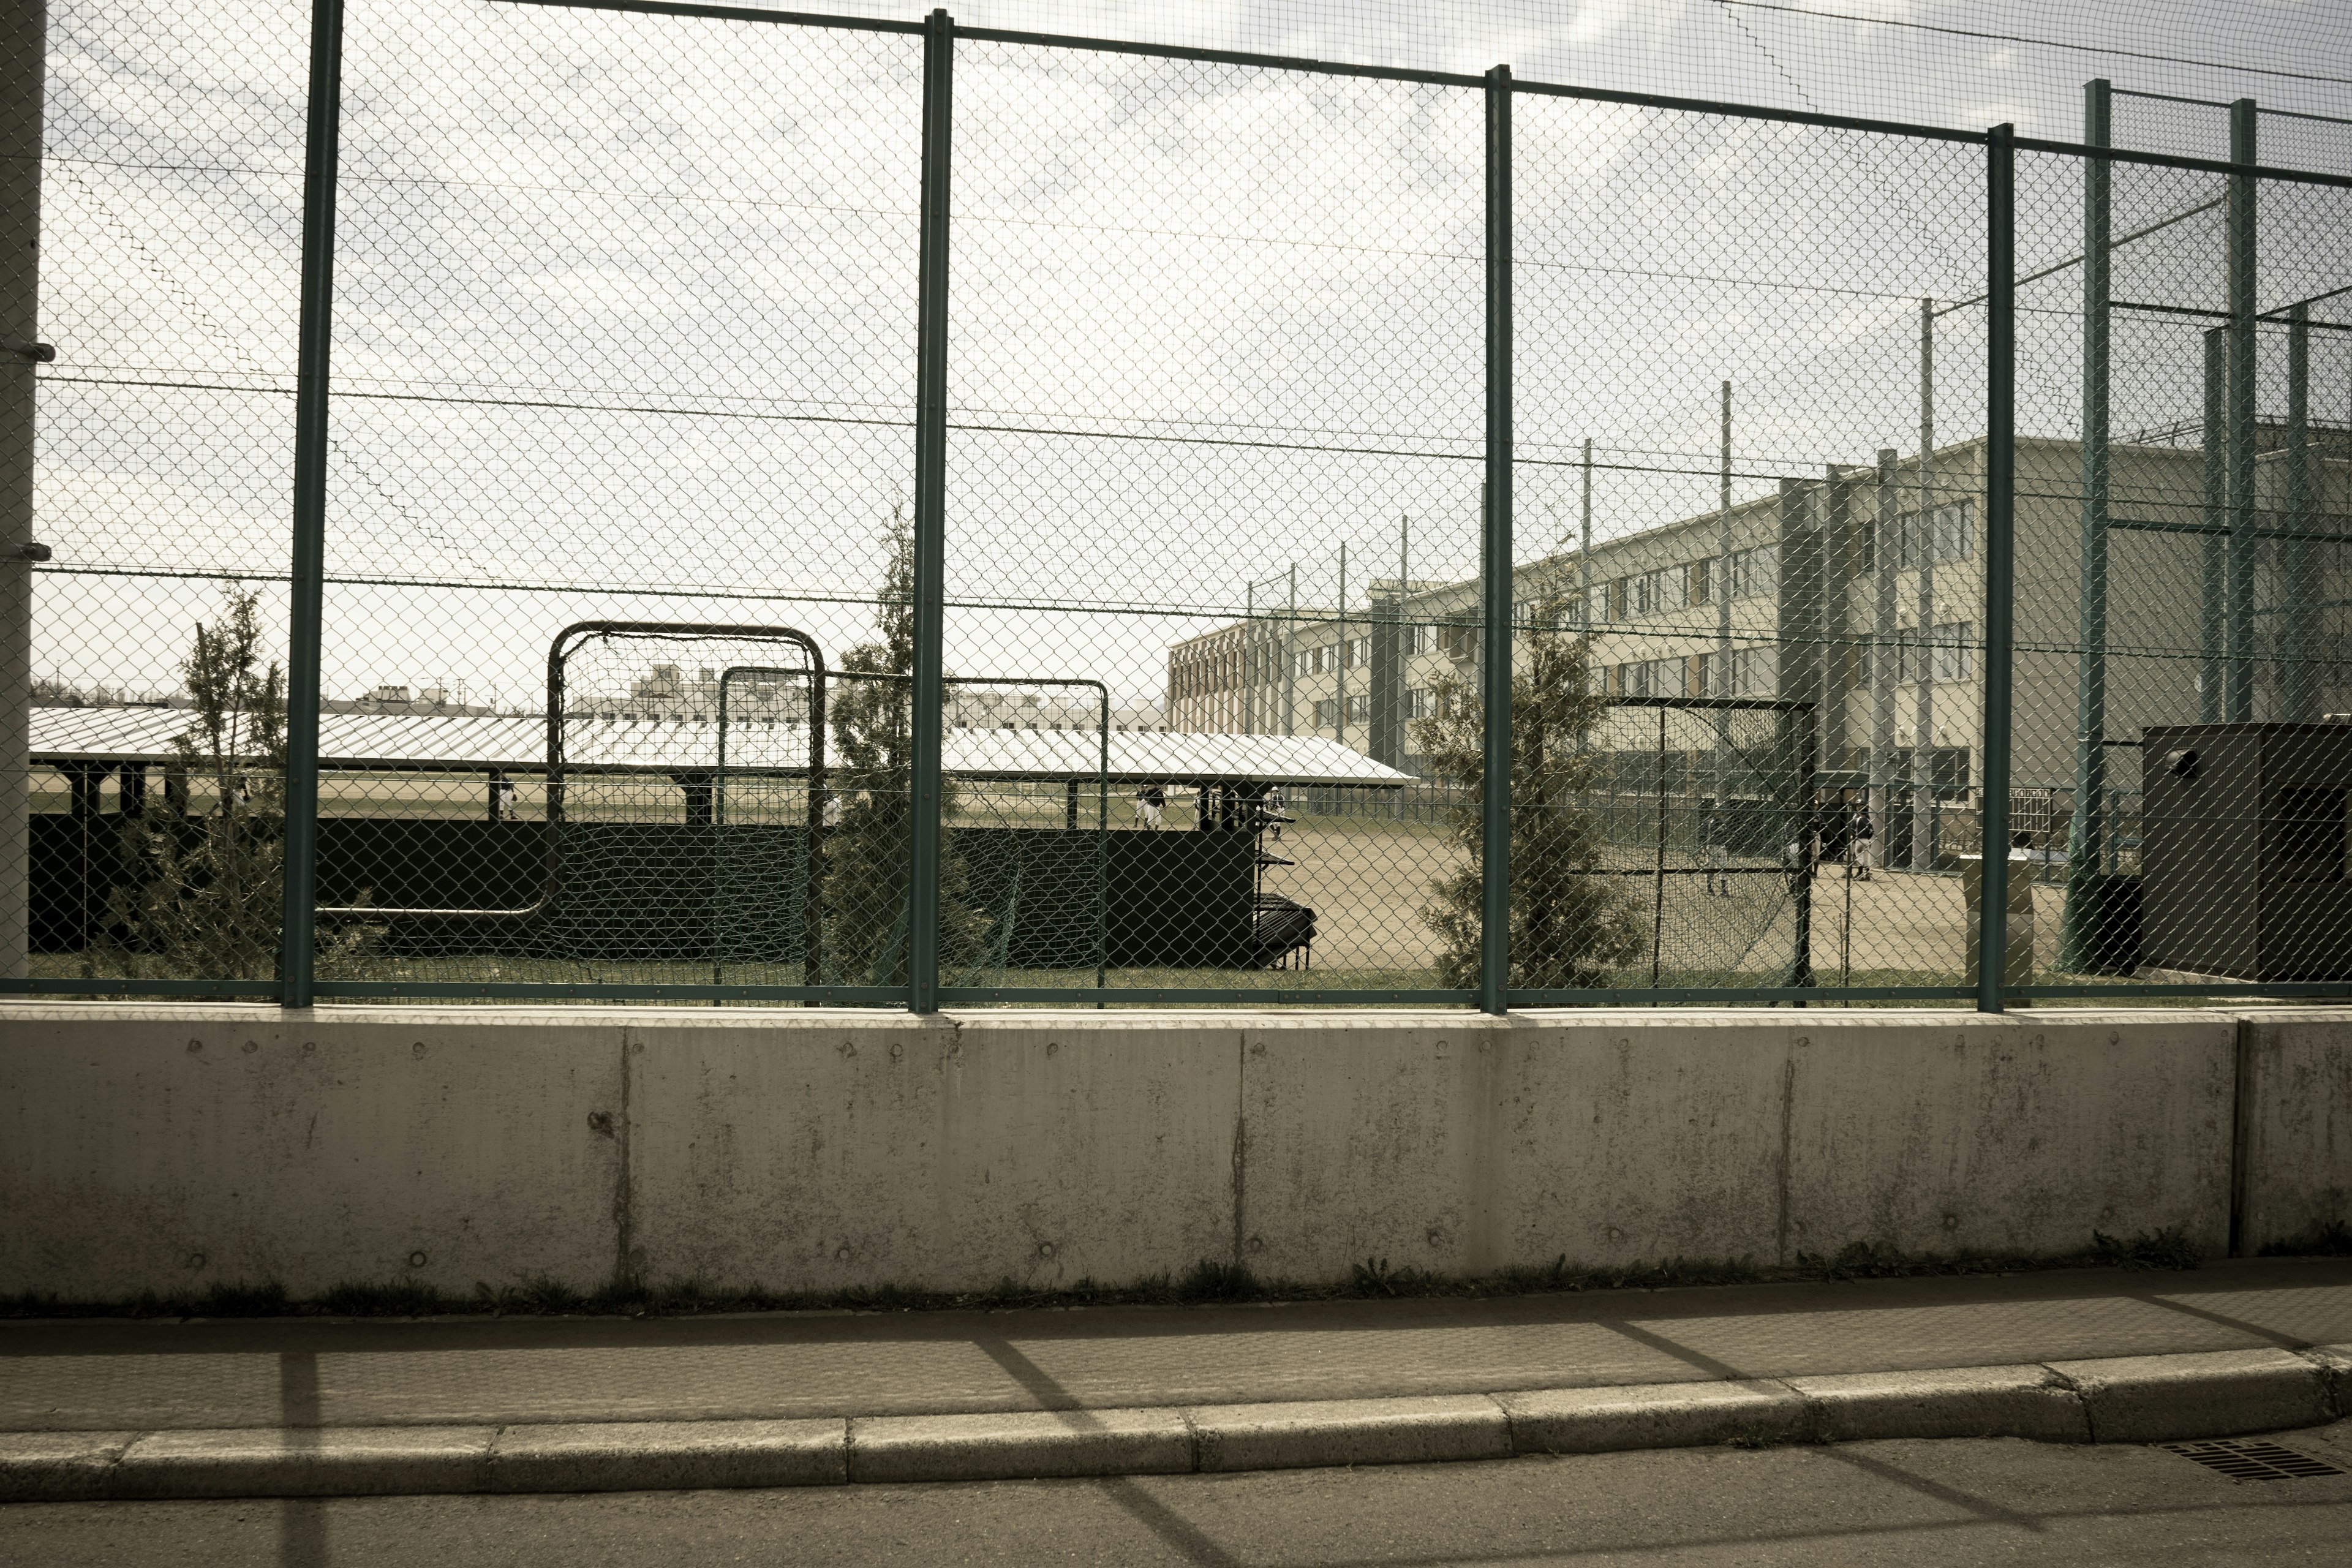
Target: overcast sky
(626,303)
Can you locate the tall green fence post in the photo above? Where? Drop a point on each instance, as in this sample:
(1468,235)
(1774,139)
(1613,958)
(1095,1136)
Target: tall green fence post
(307,611)
(931,514)
(2239,704)
(2078,941)
(23,36)
(2000,502)
(1494,651)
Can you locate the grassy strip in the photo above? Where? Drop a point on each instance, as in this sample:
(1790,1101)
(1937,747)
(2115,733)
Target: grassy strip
(1205,1282)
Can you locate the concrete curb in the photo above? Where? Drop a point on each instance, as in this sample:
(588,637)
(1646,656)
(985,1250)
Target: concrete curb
(2131,1399)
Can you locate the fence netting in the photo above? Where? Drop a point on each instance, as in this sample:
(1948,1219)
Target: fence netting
(623,643)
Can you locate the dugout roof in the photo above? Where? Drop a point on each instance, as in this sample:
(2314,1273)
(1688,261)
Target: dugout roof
(466,742)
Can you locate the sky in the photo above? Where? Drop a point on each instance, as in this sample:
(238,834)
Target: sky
(624,306)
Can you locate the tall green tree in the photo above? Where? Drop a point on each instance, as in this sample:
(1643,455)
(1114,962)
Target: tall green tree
(871,769)
(1567,927)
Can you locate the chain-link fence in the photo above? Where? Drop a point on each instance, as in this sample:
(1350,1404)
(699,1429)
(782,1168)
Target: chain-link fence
(812,512)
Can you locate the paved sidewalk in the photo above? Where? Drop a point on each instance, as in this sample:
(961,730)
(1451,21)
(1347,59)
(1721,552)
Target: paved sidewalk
(1156,1370)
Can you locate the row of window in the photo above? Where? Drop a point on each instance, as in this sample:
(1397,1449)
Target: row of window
(1946,655)
(1328,657)
(1326,712)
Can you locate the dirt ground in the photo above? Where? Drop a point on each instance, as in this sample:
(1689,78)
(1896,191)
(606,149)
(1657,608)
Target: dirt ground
(1369,881)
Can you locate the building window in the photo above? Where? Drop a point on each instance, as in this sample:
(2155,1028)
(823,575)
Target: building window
(1756,573)
(1420,702)
(1947,654)
(1742,672)
(1657,591)
(1952,527)
(1951,647)
(1360,709)
(1655,678)
(1326,713)
(1358,651)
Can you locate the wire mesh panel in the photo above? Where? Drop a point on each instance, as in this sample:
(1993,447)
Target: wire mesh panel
(1182,426)
(1751,462)
(1027,876)
(1215,409)
(626,312)
(2183,539)
(170,178)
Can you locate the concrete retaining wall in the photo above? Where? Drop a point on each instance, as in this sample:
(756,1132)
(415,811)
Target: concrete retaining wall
(2295,1126)
(165,1147)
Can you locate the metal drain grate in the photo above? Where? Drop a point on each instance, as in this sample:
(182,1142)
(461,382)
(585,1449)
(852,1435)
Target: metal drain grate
(2252,1461)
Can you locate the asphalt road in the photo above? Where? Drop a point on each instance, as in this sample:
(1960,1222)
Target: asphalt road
(1901,1503)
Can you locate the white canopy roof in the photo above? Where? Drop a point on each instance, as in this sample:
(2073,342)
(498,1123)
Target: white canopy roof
(469,743)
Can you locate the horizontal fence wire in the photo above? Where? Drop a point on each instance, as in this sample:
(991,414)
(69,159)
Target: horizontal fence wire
(934,515)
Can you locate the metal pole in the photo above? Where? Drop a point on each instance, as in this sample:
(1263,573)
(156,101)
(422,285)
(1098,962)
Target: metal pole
(315,339)
(2239,703)
(2001,498)
(1923,711)
(1403,637)
(930,513)
(1339,666)
(23,34)
(1658,900)
(2298,591)
(1718,834)
(1883,652)
(1584,546)
(2078,928)
(2213,564)
(1807,720)
(1495,661)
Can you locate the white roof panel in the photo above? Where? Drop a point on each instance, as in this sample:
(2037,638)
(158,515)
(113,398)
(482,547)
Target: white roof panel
(466,740)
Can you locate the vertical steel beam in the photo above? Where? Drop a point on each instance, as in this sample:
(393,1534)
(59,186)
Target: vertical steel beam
(2298,587)
(1884,643)
(1401,700)
(2000,504)
(23,36)
(1923,713)
(1718,833)
(1584,547)
(315,340)
(2079,925)
(1495,653)
(1339,666)
(2243,518)
(930,512)
(2213,560)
